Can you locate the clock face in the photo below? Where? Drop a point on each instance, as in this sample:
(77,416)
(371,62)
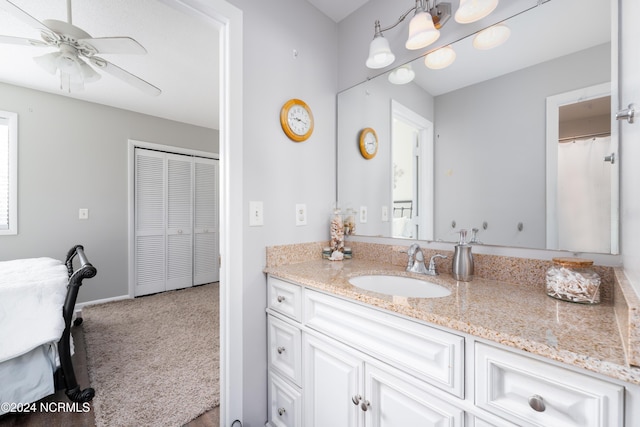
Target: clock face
(299,120)
(296,120)
(368,143)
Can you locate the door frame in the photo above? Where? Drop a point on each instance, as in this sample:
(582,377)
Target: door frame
(554,103)
(425,205)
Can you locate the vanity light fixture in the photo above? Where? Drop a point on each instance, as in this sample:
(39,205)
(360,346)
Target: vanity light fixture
(440,58)
(424,28)
(402,75)
(474,10)
(491,37)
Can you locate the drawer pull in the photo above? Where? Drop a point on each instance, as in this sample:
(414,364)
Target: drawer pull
(281,411)
(281,350)
(356,399)
(365,405)
(537,403)
(281,298)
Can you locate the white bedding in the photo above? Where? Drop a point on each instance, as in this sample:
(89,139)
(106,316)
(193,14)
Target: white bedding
(32,293)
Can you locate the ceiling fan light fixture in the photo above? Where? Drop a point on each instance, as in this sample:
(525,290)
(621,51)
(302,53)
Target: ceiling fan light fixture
(474,10)
(422,31)
(48,62)
(491,37)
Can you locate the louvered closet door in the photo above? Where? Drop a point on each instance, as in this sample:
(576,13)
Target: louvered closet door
(179,221)
(206,226)
(149,222)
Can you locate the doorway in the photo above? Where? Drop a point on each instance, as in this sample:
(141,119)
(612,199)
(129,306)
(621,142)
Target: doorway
(582,173)
(412,166)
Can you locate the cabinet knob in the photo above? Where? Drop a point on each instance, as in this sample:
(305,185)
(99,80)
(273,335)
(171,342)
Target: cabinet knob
(281,350)
(281,411)
(537,403)
(281,298)
(356,399)
(365,405)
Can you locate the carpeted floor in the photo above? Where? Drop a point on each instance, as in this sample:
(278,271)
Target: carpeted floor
(154,360)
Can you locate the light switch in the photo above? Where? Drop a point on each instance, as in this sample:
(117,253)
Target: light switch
(83,213)
(256,214)
(385,213)
(363,214)
(301,214)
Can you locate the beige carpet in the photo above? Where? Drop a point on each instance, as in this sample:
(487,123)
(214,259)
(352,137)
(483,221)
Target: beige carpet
(154,361)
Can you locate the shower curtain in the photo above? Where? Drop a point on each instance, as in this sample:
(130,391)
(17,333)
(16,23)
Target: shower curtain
(584,195)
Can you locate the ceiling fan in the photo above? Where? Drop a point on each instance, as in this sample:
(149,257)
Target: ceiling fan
(76,51)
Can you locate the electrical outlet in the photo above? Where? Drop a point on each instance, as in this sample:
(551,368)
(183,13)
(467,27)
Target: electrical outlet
(385,213)
(301,214)
(83,213)
(363,214)
(256,214)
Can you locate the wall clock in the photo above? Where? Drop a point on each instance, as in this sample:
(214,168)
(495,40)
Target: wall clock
(368,143)
(296,120)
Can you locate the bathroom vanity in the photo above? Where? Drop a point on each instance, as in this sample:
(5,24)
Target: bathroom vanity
(491,353)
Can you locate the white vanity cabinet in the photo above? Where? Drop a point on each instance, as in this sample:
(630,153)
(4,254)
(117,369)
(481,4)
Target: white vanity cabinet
(335,362)
(343,387)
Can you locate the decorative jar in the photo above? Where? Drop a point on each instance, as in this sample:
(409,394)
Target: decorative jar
(572,279)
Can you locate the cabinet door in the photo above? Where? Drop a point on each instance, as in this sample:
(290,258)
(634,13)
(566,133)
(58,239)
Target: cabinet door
(397,400)
(205,227)
(179,221)
(332,378)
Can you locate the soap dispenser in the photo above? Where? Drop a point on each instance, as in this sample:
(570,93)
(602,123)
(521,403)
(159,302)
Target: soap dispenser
(462,265)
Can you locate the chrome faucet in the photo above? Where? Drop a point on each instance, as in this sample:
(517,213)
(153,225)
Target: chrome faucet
(415,263)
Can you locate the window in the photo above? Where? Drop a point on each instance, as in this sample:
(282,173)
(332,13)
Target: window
(8,173)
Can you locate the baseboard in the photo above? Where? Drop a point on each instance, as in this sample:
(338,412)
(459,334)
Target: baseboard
(80,306)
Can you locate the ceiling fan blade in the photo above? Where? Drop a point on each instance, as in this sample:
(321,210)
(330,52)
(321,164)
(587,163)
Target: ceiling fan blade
(103,45)
(125,76)
(21,15)
(22,41)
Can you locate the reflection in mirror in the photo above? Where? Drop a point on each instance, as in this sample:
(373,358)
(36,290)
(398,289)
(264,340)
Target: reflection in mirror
(488,115)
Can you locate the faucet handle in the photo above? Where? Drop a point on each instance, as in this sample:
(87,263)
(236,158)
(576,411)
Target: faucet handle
(432,262)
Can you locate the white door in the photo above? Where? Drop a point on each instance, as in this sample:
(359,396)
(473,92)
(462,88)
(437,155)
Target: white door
(398,402)
(150,196)
(179,221)
(206,222)
(332,379)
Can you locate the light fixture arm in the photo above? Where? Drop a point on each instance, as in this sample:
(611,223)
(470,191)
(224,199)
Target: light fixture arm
(420,4)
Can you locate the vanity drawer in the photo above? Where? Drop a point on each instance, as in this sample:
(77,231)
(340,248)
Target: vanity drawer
(511,386)
(430,354)
(285,349)
(285,297)
(285,403)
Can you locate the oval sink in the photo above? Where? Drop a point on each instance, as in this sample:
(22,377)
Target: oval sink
(400,286)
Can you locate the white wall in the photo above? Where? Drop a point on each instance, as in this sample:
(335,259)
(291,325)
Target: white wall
(278,171)
(73,154)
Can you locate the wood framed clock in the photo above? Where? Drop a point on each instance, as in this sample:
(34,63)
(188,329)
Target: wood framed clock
(368,143)
(296,119)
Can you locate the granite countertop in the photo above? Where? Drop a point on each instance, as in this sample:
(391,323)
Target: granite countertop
(518,316)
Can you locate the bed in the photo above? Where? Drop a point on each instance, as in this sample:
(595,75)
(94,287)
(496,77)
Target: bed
(37,301)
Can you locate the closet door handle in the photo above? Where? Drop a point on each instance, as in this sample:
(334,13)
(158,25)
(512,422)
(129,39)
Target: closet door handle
(281,411)
(281,350)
